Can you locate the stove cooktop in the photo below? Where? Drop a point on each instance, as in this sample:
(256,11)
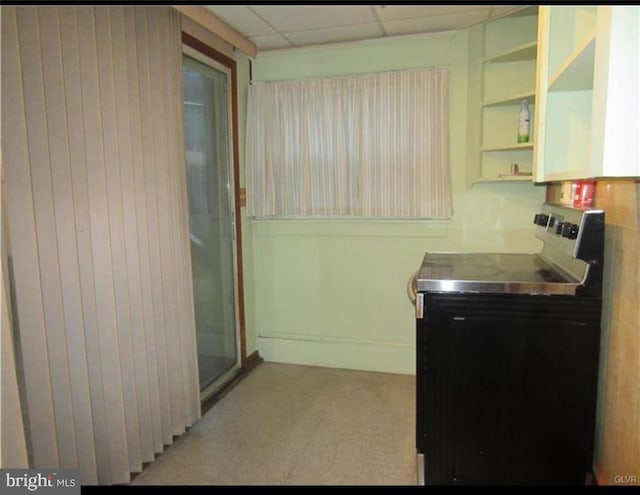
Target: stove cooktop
(491,272)
(570,261)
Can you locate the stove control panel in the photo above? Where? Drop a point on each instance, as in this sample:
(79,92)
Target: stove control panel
(576,232)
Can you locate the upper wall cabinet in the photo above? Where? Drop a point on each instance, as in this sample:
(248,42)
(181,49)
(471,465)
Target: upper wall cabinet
(586,123)
(502,72)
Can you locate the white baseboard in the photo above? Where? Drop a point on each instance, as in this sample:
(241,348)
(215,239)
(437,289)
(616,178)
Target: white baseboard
(312,351)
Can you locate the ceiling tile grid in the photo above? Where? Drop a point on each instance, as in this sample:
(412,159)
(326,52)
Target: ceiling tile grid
(429,24)
(336,34)
(302,18)
(243,19)
(273,27)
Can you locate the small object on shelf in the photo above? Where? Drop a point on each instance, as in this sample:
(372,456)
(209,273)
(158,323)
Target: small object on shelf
(575,193)
(515,172)
(566,193)
(583,197)
(523,122)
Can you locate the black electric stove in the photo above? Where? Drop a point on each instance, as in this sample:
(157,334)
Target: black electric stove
(507,357)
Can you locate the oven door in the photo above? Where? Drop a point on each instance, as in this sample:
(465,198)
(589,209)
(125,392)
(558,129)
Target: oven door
(506,388)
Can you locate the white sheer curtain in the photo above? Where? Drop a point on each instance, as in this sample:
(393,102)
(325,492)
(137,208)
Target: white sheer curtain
(372,145)
(94,184)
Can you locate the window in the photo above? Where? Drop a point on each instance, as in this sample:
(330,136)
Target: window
(372,145)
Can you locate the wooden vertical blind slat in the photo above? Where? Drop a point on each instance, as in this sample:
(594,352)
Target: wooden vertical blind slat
(129,213)
(46,222)
(191,379)
(18,189)
(74,352)
(135,115)
(96,202)
(151,187)
(158,115)
(191,383)
(76,142)
(38,142)
(170,47)
(116,230)
(93,115)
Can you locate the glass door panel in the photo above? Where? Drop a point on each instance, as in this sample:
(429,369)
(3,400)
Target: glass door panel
(208,164)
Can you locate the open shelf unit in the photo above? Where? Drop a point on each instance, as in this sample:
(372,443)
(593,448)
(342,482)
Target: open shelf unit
(503,57)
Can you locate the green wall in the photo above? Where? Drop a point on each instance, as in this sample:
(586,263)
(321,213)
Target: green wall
(333,293)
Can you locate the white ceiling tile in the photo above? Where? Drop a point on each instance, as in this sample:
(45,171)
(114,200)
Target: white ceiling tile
(300,18)
(336,34)
(502,10)
(270,42)
(242,19)
(316,24)
(434,23)
(393,12)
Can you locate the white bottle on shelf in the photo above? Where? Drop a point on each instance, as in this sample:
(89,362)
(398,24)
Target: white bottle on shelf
(523,122)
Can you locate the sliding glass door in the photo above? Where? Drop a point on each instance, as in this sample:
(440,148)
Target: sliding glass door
(210,192)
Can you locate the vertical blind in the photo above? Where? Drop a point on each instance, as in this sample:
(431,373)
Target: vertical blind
(95,191)
(374,145)
(13,445)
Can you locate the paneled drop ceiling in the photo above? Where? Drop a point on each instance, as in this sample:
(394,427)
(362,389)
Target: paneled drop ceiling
(285,26)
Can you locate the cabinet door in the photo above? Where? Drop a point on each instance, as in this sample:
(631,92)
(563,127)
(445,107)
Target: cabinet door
(616,96)
(588,99)
(564,86)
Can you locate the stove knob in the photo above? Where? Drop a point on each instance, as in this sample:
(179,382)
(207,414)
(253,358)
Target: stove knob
(541,219)
(552,221)
(559,227)
(570,231)
(573,233)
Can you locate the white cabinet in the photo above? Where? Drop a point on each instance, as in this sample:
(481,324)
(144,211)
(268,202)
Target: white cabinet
(502,71)
(586,123)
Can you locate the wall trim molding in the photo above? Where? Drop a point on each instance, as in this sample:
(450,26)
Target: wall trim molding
(333,353)
(253,360)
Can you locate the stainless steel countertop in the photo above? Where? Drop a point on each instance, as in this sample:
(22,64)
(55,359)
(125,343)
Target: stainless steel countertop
(492,272)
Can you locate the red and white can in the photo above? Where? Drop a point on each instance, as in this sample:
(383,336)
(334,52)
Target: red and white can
(583,193)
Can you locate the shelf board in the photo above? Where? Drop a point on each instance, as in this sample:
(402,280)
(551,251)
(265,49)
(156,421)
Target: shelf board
(576,72)
(527,51)
(505,178)
(512,100)
(510,147)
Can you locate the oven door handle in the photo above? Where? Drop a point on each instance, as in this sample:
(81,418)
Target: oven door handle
(412,288)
